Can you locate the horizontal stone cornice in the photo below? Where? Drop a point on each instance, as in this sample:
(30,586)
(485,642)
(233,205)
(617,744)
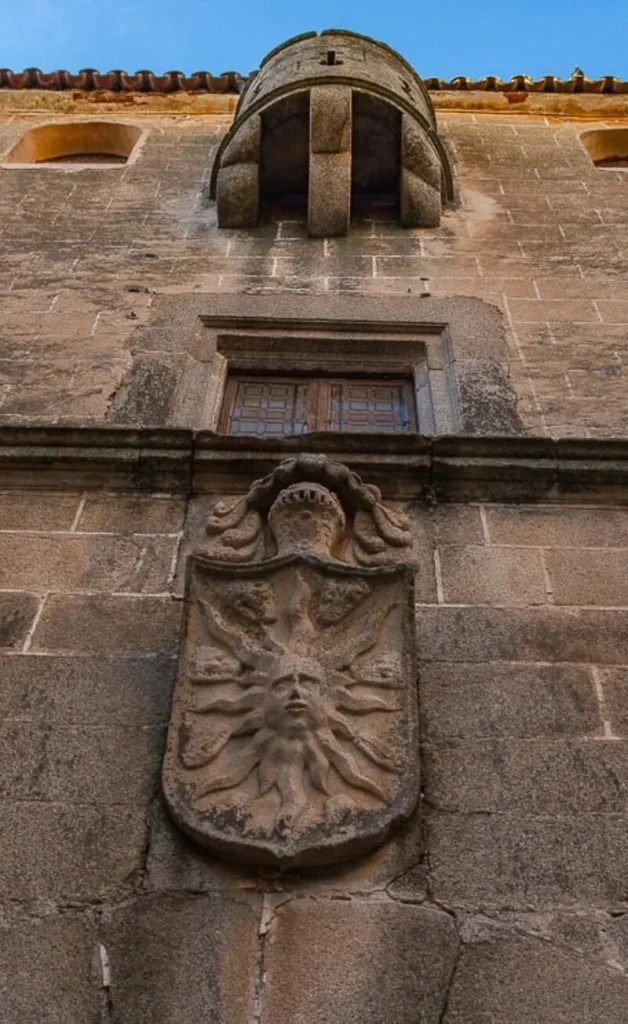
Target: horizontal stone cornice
(404,466)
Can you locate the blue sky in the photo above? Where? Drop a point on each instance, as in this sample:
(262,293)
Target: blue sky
(439,37)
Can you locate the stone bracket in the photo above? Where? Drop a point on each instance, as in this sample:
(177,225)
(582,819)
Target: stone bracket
(329,189)
(420,185)
(239,177)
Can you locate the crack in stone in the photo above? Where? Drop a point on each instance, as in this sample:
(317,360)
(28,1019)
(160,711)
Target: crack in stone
(450,984)
(271,901)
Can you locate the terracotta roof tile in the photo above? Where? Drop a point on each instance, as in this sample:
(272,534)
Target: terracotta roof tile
(522,83)
(90,80)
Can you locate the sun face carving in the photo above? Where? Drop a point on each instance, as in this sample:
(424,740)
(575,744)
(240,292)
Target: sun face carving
(293,736)
(289,738)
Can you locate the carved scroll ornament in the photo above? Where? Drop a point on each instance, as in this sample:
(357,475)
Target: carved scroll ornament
(293,730)
(375,536)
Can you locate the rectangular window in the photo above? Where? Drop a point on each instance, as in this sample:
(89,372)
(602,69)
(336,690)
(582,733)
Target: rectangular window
(285,406)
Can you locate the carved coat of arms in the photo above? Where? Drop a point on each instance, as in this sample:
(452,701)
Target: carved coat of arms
(293,736)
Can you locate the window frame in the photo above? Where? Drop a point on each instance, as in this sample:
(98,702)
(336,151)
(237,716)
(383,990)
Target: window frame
(318,399)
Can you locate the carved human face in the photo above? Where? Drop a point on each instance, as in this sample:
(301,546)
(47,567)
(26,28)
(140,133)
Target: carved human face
(293,704)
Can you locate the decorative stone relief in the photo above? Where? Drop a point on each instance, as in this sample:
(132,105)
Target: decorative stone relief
(326,122)
(309,494)
(293,736)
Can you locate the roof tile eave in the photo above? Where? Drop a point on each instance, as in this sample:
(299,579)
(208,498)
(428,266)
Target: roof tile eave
(231,82)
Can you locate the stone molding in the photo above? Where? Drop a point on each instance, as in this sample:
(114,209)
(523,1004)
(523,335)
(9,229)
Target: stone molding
(191,462)
(454,348)
(421,352)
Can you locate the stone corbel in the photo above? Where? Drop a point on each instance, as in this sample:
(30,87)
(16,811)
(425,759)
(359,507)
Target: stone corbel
(329,198)
(420,186)
(239,177)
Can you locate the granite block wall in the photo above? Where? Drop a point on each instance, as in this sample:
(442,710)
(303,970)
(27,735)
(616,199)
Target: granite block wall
(505,898)
(90,257)
(514,871)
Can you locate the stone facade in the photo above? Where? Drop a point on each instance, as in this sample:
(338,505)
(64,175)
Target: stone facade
(504,896)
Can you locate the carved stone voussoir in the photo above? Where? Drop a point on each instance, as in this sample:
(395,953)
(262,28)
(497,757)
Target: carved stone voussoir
(293,735)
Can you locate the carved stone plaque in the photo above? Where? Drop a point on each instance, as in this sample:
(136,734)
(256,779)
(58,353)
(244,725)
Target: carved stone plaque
(293,735)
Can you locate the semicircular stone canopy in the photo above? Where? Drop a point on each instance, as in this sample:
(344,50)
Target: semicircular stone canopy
(332,124)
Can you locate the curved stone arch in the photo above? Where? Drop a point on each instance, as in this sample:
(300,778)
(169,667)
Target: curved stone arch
(425,174)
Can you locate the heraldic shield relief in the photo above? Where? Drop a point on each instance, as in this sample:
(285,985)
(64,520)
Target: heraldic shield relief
(293,736)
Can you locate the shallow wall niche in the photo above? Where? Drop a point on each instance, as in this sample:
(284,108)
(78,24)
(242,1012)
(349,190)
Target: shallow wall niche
(332,124)
(101,142)
(607,147)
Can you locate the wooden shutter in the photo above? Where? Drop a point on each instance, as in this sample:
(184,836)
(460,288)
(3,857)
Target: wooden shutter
(283,406)
(266,407)
(371,407)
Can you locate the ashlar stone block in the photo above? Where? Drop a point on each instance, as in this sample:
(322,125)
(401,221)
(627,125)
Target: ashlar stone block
(357,962)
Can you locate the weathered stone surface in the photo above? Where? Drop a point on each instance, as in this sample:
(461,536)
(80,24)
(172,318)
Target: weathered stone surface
(182,959)
(330,119)
(557,526)
(69,853)
(108,624)
(237,196)
(118,765)
(488,398)
(175,863)
(510,860)
(523,634)
(500,700)
(615,688)
(598,935)
(122,513)
(525,981)
(73,563)
(589,577)
(420,186)
(146,393)
(46,970)
(441,525)
(17,614)
(483,575)
(329,177)
(19,511)
(419,204)
(106,690)
(309,976)
(329,191)
(244,147)
(537,776)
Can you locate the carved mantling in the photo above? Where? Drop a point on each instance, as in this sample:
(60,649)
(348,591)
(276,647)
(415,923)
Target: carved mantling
(309,493)
(293,735)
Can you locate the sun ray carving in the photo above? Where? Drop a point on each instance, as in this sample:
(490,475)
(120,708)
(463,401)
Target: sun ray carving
(288,717)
